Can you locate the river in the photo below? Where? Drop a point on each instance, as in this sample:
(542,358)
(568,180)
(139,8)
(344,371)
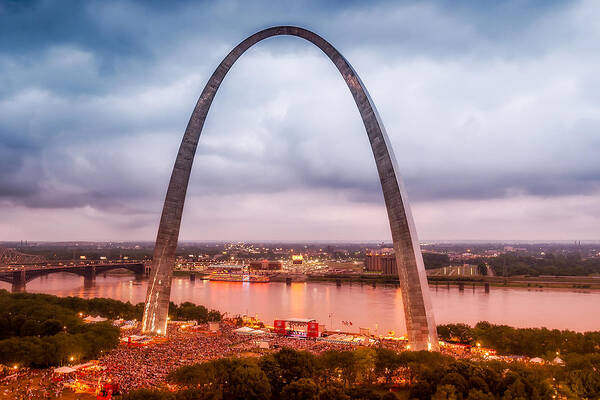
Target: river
(377,308)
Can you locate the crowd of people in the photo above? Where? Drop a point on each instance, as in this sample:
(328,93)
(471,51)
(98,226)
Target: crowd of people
(148,366)
(29,384)
(134,366)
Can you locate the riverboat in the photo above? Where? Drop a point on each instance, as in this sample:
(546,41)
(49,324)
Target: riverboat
(252,278)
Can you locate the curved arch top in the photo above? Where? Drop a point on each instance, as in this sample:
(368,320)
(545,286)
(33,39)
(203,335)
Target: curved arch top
(420,324)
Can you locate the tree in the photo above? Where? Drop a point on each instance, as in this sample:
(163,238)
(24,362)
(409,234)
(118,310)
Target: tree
(364,360)
(363,393)
(421,390)
(333,392)
(50,327)
(214,315)
(269,365)
(295,364)
(475,394)
(584,383)
(476,382)
(148,394)
(461,333)
(198,394)
(516,391)
(482,269)
(194,375)
(247,382)
(445,392)
(339,365)
(386,363)
(455,380)
(302,389)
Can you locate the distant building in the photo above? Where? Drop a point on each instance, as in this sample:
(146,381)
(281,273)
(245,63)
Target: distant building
(265,265)
(225,267)
(384,262)
(297,259)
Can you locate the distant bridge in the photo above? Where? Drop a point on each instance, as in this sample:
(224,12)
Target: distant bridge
(12,256)
(18,276)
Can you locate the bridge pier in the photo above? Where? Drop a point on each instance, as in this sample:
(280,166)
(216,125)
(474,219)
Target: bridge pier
(19,280)
(18,287)
(89,277)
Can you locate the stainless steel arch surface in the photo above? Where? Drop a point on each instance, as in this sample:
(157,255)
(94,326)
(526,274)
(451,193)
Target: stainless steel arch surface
(420,324)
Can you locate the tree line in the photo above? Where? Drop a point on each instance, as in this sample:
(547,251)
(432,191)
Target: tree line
(435,260)
(365,373)
(532,342)
(36,331)
(40,330)
(571,264)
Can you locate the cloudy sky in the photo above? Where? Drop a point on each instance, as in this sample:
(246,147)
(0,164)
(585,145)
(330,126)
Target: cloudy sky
(493,111)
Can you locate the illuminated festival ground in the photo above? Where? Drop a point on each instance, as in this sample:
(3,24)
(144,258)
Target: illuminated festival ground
(148,365)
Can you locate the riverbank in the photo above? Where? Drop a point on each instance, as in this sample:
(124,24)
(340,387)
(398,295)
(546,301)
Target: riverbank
(550,282)
(375,306)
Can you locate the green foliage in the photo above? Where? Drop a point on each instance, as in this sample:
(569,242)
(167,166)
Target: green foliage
(445,392)
(435,260)
(148,394)
(387,362)
(302,389)
(339,365)
(476,394)
(455,380)
(581,375)
(550,264)
(274,373)
(295,364)
(482,269)
(333,392)
(42,331)
(290,374)
(363,393)
(41,306)
(226,378)
(461,333)
(532,342)
(190,312)
(247,381)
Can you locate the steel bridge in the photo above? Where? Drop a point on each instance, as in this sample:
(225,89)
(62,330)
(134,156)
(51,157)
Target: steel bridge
(12,256)
(18,276)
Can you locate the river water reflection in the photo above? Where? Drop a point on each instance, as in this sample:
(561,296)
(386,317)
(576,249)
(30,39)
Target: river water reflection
(378,308)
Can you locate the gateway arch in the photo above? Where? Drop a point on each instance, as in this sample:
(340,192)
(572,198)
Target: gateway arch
(418,312)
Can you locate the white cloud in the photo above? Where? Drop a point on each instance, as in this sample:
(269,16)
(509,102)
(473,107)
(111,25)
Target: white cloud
(482,125)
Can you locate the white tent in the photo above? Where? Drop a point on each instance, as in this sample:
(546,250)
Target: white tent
(258,332)
(536,360)
(244,330)
(64,370)
(90,319)
(558,361)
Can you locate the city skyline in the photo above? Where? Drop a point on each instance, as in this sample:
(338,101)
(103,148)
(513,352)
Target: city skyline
(88,130)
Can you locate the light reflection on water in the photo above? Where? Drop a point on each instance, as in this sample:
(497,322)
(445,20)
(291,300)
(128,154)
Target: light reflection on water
(365,306)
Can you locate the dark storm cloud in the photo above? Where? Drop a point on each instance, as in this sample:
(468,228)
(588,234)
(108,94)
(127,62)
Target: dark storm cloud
(94,97)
